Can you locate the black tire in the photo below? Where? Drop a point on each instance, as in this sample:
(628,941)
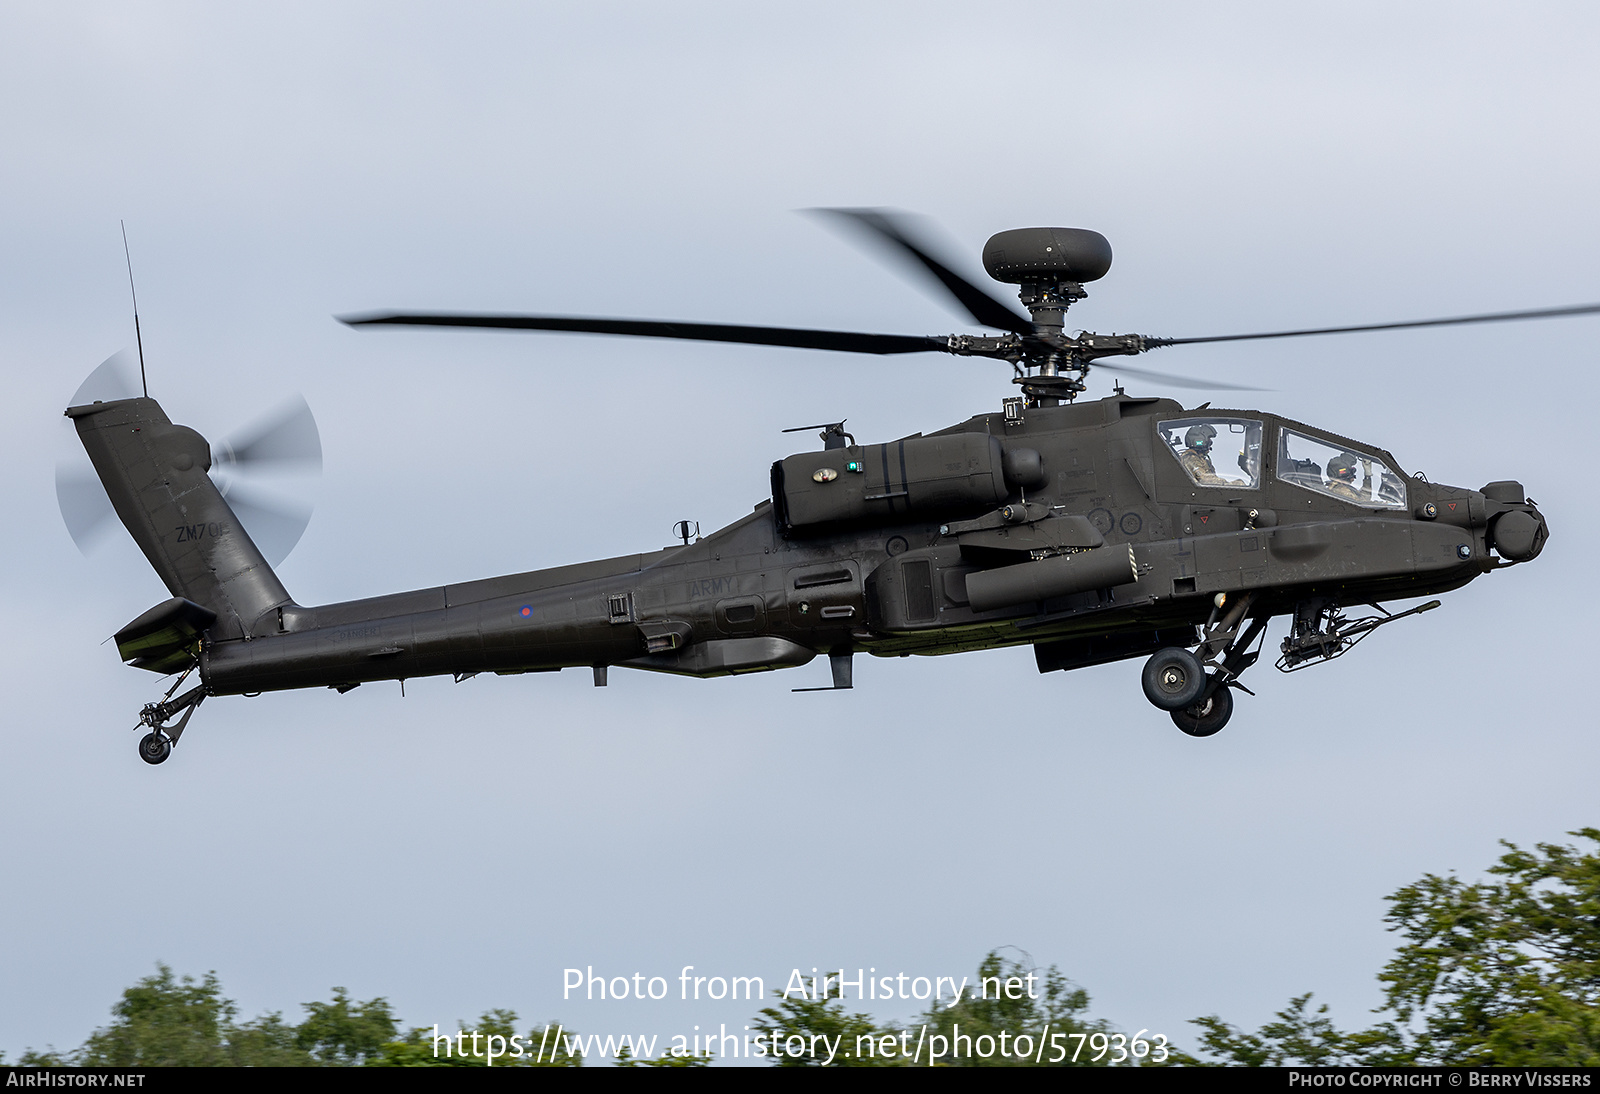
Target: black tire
(154,748)
(1208,717)
(1173,678)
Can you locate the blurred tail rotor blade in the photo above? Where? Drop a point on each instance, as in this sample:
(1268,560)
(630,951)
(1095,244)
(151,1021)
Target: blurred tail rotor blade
(84,506)
(891,228)
(289,436)
(116,378)
(275,525)
(286,441)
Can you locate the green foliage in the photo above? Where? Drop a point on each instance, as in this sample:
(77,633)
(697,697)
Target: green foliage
(821,1022)
(1295,1039)
(343,1032)
(30,1058)
(1504,972)
(1000,1002)
(168,1021)
(163,1021)
(626,1058)
(1006,998)
(428,1047)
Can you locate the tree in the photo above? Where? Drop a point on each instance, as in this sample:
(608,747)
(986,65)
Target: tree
(1015,999)
(418,1047)
(626,1058)
(168,1021)
(163,1021)
(820,1023)
(1297,1038)
(1504,971)
(1009,999)
(345,1033)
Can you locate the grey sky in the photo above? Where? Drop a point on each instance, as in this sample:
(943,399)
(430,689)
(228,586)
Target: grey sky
(1254,166)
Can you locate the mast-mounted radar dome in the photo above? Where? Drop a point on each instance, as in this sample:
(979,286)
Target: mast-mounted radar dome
(1047,254)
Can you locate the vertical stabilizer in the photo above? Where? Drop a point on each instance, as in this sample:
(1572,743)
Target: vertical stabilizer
(156,476)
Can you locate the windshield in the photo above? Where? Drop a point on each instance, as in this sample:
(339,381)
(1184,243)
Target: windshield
(1216,451)
(1339,472)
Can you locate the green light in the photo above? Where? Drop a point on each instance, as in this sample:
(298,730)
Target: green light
(853,465)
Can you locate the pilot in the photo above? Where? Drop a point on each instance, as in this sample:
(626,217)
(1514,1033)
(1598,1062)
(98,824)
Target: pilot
(1196,456)
(1342,478)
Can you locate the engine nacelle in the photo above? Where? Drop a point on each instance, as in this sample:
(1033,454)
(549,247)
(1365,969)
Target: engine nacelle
(920,476)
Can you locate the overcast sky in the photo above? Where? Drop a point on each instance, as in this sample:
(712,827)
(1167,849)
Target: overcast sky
(1254,166)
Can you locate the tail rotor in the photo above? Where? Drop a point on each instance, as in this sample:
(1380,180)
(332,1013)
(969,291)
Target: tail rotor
(264,469)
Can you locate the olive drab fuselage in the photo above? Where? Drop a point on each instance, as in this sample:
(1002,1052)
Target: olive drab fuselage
(1075,528)
(1092,531)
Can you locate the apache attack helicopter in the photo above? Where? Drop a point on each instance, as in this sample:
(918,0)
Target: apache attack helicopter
(1093,531)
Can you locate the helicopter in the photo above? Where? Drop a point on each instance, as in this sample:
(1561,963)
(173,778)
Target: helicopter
(1092,530)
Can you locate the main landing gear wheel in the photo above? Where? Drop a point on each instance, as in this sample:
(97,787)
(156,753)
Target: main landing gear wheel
(1208,716)
(154,748)
(1173,678)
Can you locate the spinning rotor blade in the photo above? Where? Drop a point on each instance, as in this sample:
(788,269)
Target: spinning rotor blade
(112,380)
(1120,369)
(986,309)
(798,338)
(1487,317)
(275,526)
(285,442)
(85,509)
(290,436)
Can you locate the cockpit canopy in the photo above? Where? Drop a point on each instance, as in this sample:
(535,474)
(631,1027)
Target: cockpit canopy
(1338,472)
(1216,451)
(1225,451)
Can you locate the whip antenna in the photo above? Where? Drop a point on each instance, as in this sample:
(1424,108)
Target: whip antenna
(137,337)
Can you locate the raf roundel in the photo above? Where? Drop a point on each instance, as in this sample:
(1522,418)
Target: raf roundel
(527,611)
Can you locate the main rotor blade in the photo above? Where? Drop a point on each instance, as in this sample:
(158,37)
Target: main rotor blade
(841,341)
(986,309)
(1487,317)
(1198,384)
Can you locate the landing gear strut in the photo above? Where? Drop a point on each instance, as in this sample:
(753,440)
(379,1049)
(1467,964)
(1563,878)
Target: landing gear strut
(156,746)
(1197,688)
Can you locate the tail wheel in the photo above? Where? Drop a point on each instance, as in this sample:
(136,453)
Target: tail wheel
(1208,716)
(1173,678)
(154,748)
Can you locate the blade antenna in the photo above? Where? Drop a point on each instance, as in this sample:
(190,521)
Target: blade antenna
(137,337)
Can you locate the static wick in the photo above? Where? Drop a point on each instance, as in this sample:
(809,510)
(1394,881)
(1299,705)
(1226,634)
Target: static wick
(137,336)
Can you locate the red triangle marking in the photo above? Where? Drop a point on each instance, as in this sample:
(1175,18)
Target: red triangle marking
(1452,505)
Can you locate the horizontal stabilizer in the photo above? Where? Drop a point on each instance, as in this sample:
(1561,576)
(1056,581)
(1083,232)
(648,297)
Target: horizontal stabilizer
(166,638)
